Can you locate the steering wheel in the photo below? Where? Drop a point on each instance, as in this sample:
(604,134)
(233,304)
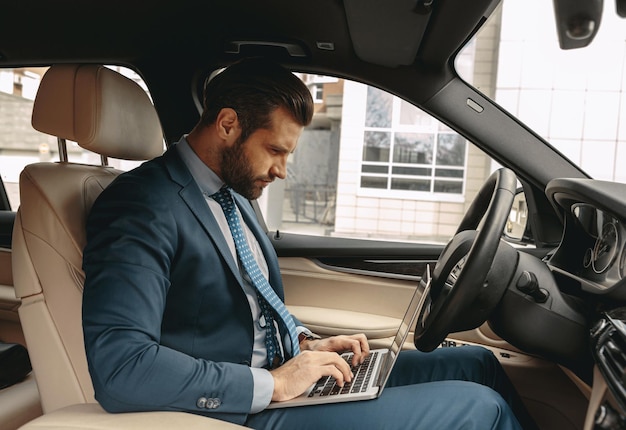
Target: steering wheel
(465,285)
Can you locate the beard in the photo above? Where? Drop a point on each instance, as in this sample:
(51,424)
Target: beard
(237,172)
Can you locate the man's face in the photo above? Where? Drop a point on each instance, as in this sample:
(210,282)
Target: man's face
(251,165)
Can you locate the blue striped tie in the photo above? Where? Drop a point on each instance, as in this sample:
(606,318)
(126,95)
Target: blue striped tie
(267,296)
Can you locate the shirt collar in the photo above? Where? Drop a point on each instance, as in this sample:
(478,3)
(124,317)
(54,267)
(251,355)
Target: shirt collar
(206,178)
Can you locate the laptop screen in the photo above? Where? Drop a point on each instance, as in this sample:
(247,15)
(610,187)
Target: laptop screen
(413,310)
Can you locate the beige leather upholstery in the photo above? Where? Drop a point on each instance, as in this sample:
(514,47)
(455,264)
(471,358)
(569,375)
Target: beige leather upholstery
(109,114)
(99,109)
(48,239)
(93,417)
(19,404)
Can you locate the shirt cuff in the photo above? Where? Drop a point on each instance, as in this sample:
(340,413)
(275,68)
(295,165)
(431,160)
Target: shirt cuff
(263,389)
(302,329)
(305,333)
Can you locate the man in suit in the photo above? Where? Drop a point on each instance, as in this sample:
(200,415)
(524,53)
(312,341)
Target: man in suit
(174,319)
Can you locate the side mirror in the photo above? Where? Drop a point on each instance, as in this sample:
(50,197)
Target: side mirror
(516,226)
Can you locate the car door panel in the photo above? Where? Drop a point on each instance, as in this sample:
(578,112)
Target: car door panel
(342,286)
(358,282)
(333,302)
(346,286)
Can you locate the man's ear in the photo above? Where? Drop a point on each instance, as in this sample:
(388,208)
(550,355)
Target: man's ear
(227,124)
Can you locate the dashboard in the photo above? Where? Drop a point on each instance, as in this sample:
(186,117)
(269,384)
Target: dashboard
(593,252)
(608,233)
(593,246)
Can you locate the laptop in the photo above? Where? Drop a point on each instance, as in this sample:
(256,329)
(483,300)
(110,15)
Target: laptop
(371,376)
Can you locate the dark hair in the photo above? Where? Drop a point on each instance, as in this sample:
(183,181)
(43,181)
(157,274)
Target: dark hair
(254,88)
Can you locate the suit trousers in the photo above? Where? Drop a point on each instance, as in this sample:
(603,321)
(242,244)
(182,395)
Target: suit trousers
(449,388)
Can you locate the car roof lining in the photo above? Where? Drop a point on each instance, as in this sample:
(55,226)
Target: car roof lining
(171,48)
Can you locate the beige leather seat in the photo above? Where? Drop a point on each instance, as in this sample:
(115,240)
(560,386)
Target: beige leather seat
(110,115)
(19,403)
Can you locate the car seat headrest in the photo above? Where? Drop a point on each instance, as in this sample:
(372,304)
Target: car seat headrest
(101,110)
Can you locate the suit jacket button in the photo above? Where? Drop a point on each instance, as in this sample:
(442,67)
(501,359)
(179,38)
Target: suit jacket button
(217,403)
(210,403)
(201,402)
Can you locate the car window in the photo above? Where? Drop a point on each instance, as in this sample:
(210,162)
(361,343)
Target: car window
(402,175)
(20,144)
(573,98)
(372,165)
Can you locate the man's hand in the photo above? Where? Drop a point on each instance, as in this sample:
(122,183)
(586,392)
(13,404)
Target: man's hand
(356,343)
(306,368)
(318,358)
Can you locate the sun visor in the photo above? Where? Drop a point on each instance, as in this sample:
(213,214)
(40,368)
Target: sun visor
(387,33)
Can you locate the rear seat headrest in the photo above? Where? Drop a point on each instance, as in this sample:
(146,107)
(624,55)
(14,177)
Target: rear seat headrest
(101,110)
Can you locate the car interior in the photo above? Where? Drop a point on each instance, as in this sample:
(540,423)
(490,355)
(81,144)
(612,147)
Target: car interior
(546,300)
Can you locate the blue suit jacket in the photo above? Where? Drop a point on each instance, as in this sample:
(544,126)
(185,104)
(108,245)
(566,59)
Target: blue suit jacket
(165,319)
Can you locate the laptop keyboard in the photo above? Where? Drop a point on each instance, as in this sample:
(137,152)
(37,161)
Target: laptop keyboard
(327,386)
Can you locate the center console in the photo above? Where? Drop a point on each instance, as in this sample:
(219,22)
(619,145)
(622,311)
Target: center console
(607,407)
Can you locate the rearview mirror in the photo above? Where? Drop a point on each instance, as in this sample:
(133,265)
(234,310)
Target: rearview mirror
(577,21)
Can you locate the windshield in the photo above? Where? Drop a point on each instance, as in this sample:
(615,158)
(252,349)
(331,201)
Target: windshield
(572,98)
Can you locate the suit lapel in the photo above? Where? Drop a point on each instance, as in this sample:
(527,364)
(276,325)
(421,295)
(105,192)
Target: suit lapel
(193,198)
